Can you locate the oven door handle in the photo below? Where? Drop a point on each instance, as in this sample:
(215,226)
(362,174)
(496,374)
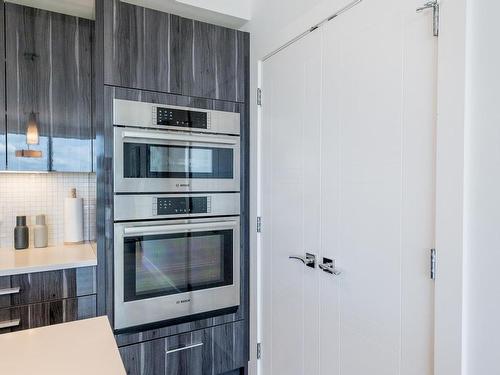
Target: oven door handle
(179,137)
(158,229)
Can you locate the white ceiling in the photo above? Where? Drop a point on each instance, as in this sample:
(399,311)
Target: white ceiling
(206,10)
(219,12)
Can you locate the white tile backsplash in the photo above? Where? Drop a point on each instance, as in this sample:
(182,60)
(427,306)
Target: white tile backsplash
(32,194)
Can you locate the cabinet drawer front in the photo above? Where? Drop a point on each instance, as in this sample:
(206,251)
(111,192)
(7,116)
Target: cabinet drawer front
(46,286)
(215,350)
(44,314)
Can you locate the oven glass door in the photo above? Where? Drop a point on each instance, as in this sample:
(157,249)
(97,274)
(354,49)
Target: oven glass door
(160,161)
(169,161)
(172,263)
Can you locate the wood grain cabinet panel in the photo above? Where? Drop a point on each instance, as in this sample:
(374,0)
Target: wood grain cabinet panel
(156,51)
(49,73)
(47,313)
(215,350)
(3,138)
(47,286)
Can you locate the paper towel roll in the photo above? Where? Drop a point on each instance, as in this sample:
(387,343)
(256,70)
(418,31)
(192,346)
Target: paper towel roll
(73,219)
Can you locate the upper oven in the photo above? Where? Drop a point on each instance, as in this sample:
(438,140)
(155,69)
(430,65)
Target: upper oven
(165,148)
(147,160)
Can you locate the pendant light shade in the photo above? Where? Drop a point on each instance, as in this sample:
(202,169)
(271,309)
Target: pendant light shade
(32,137)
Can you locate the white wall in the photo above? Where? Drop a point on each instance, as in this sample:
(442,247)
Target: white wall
(273,22)
(482,191)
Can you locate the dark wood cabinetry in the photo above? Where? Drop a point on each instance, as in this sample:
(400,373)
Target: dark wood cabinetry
(3,129)
(48,313)
(151,50)
(146,55)
(46,286)
(44,298)
(48,74)
(215,350)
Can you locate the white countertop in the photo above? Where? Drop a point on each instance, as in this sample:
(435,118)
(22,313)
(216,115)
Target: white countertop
(78,348)
(15,262)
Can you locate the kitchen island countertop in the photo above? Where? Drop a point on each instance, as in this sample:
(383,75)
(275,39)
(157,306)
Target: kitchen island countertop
(77,348)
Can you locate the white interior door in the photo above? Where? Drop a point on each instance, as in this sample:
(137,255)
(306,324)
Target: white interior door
(291,201)
(347,173)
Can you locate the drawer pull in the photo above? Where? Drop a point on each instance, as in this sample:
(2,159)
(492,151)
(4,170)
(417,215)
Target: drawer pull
(4,292)
(184,348)
(10,323)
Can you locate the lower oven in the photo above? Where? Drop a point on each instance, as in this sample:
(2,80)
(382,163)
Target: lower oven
(171,269)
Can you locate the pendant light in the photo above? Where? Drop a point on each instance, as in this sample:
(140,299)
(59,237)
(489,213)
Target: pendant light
(32,133)
(32,138)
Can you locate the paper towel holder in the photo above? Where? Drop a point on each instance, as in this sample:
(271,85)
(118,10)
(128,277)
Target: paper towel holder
(73,219)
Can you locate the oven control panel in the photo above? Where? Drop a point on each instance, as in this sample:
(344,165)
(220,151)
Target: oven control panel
(165,116)
(135,207)
(181,205)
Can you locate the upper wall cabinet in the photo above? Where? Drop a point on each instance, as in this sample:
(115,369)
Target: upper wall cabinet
(49,87)
(3,137)
(150,50)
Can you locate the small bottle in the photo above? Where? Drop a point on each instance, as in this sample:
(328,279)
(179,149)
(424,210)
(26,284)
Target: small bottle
(21,234)
(40,232)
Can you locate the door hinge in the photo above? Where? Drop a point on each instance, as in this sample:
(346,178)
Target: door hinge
(259,350)
(259,224)
(434,5)
(433,264)
(259,96)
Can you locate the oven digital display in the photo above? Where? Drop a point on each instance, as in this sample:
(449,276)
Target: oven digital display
(181,118)
(182,205)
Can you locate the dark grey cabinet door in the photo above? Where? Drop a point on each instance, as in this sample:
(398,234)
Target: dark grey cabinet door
(145,359)
(49,73)
(39,287)
(216,350)
(47,313)
(151,50)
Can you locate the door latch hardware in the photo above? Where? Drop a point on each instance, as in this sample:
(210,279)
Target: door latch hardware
(259,224)
(259,350)
(259,97)
(434,5)
(328,266)
(309,260)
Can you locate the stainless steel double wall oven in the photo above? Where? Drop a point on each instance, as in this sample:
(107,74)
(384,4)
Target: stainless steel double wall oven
(176,212)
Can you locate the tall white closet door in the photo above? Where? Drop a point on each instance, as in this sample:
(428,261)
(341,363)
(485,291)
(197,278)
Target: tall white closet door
(290,201)
(378,124)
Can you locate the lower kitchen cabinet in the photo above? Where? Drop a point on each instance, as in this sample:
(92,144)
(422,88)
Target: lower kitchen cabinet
(215,350)
(33,288)
(40,299)
(47,313)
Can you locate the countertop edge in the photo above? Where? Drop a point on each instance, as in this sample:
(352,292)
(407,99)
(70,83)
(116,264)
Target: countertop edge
(33,260)
(47,268)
